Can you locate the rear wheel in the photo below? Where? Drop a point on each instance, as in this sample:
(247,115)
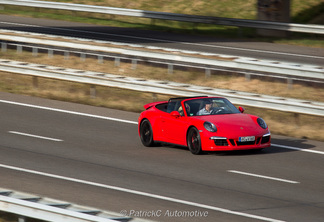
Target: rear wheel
(146,133)
(193,141)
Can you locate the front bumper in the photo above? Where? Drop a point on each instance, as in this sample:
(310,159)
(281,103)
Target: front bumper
(215,143)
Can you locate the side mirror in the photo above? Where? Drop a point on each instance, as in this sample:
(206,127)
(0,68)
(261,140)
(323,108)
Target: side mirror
(241,109)
(175,114)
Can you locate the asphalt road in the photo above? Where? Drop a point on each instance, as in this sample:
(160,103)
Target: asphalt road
(53,143)
(236,47)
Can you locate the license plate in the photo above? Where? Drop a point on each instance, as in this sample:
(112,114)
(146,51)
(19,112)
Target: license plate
(246,138)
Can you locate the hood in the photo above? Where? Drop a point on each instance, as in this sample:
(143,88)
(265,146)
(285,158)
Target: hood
(235,124)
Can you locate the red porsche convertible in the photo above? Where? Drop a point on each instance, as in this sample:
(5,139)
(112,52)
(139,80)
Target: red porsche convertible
(202,124)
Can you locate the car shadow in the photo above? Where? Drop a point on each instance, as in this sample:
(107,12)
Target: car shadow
(278,146)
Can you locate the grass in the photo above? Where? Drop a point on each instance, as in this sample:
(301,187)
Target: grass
(301,11)
(75,92)
(242,9)
(8,217)
(190,76)
(289,124)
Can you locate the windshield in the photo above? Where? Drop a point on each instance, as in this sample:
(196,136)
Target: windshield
(209,106)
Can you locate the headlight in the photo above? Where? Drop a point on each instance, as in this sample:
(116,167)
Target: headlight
(262,123)
(210,127)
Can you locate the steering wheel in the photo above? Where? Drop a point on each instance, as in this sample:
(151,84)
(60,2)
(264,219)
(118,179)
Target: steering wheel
(218,110)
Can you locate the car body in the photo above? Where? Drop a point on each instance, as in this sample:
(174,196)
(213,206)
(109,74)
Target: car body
(179,121)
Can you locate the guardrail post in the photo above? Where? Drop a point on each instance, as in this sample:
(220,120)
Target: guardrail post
(134,64)
(83,57)
(100,59)
(207,73)
(92,91)
(35,51)
(117,61)
(19,49)
(247,77)
(66,55)
(170,68)
(50,53)
(290,83)
(21,219)
(3,47)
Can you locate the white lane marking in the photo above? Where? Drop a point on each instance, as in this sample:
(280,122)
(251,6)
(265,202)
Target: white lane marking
(171,41)
(261,176)
(156,196)
(299,149)
(127,121)
(69,112)
(35,136)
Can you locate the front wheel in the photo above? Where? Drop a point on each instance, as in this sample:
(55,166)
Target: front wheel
(193,141)
(146,133)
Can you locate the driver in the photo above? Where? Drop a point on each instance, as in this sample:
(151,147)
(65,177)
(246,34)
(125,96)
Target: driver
(207,110)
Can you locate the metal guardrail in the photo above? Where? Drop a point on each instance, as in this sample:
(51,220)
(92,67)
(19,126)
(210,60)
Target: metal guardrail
(315,29)
(210,61)
(48,209)
(162,87)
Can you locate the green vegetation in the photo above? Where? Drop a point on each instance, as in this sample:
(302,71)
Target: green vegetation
(310,11)
(242,9)
(8,217)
